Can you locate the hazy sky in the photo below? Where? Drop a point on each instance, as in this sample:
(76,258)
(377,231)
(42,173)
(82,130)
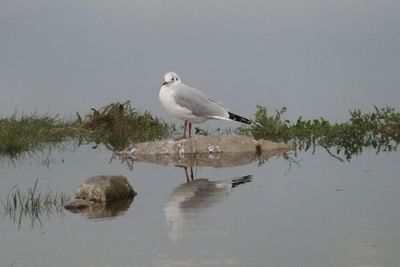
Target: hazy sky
(318,58)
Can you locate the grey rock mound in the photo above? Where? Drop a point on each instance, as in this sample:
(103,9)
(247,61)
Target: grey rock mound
(205,145)
(215,151)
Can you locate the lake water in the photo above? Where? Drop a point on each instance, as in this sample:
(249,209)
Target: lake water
(316,58)
(319,212)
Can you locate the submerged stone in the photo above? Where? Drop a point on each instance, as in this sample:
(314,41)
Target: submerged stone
(101,191)
(104,188)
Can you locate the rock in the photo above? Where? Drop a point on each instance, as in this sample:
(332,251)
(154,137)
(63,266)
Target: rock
(205,145)
(105,188)
(216,151)
(101,191)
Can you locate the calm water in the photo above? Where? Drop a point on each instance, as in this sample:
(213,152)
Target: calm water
(320,213)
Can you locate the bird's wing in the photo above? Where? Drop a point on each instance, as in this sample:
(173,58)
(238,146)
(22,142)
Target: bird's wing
(199,104)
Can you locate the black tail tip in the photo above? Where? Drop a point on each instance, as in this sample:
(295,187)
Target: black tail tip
(238,118)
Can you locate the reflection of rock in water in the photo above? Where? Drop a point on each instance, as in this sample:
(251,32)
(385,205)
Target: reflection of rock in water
(103,210)
(183,207)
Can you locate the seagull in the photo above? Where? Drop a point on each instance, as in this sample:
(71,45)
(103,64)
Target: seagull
(191,105)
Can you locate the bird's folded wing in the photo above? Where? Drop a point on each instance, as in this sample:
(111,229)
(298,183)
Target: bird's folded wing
(199,104)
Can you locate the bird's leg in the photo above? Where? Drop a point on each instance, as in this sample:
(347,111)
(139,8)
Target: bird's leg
(190,130)
(184,132)
(184,129)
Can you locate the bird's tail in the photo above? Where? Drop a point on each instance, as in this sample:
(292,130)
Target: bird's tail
(238,118)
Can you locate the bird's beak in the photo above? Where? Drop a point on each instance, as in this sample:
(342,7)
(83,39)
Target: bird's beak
(164,83)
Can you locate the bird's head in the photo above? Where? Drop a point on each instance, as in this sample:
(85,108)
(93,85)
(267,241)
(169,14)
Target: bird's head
(171,78)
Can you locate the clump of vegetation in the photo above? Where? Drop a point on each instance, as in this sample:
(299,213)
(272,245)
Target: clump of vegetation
(379,129)
(119,124)
(32,204)
(269,127)
(32,132)
(116,125)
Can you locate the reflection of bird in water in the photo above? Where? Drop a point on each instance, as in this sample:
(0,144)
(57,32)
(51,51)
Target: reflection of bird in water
(188,200)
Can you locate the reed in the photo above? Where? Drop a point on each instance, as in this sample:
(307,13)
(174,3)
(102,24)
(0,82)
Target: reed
(32,204)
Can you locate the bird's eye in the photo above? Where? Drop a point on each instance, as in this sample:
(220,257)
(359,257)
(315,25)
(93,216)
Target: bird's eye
(173,79)
(176,79)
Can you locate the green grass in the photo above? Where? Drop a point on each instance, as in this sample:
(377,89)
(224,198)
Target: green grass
(118,125)
(115,125)
(32,132)
(379,130)
(31,205)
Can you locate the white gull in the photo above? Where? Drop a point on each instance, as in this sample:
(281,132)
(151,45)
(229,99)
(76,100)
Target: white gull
(191,105)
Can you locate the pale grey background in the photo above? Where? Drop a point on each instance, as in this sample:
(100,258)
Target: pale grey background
(318,58)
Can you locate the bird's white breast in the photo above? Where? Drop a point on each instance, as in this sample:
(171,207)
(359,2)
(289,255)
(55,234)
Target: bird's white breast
(167,99)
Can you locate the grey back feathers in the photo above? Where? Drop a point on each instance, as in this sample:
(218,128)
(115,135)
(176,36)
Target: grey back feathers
(197,102)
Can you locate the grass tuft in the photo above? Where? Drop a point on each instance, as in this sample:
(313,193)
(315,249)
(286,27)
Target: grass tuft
(32,204)
(119,124)
(116,125)
(32,132)
(379,130)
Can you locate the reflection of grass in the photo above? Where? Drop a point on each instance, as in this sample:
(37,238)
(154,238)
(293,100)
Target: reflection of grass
(32,205)
(115,125)
(379,129)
